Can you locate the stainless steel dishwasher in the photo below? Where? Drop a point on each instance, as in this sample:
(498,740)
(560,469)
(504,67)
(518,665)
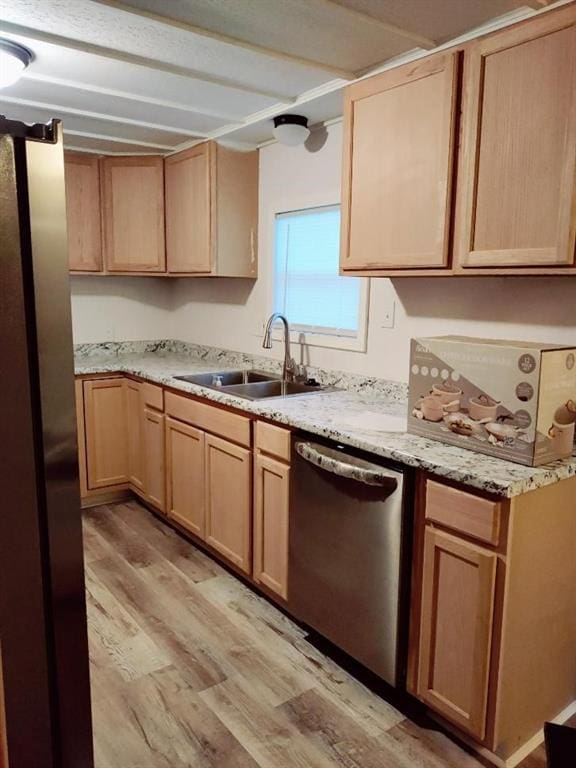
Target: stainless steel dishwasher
(348,557)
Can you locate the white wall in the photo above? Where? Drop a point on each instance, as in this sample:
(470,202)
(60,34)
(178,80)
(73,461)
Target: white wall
(230,313)
(120,308)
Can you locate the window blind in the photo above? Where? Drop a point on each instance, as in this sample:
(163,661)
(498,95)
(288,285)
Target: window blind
(307,287)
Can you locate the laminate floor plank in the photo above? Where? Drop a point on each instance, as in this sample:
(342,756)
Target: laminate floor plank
(191,669)
(344,739)
(189,560)
(162,619)
(264,731)
(277,632)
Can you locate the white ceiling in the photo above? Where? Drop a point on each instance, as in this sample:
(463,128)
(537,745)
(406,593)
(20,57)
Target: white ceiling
(154,76)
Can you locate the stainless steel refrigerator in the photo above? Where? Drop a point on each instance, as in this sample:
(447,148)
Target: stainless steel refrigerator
(45,719)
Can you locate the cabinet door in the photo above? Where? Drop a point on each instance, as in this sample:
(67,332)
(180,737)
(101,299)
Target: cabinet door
(456,628)
(185,494)
(82,176)
(106,432)
(271,480)
(517,170)
(133,205)
(188,210)
(397,166)
(228,500)
(154,472)
(134,418)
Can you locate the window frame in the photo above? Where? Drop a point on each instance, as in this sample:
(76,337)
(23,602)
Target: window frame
(312,335)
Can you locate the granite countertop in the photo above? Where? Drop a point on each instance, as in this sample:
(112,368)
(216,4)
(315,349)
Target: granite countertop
(327,413)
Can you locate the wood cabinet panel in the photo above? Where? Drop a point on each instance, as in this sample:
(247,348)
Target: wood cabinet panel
(188,210)
(154,469)
(271,497)
(152,396)
(467,513)
(397,167)
(135,435)
(518,164)
(185,477)
(106,432)
(458,589)
(221,422)
(81,432)
(133,214)
(228,500)
(273,440)
(82,178)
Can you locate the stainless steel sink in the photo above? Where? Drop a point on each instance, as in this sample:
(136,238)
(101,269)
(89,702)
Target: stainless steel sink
(251,385)
(226,378)
(259,390)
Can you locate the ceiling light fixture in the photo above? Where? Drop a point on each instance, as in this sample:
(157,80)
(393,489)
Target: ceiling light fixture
(14,59)
(291,129)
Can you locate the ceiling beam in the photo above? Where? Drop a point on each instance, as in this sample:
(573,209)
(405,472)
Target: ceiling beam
(132,58)
(100,116)
(226,117)
(420,41)
(171,21)
(119,140)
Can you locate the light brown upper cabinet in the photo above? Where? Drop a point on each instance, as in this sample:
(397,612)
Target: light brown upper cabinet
(82,177)
(212,212)
(399,132)
(517,204)
(133,214)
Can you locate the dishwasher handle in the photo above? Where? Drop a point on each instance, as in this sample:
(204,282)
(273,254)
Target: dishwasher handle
(346,466)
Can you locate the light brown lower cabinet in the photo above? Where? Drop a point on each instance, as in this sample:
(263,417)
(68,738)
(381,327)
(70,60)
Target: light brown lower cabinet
(228,472)
(154,469)
(271,496)
(185,481)
(134,416)
(106,432)
(458,585)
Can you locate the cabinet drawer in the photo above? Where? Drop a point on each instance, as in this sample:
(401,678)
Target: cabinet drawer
(211,419)
(472,515)
(152,396)
(273,440)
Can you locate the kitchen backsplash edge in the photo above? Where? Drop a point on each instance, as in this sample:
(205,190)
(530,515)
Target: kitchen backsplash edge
(396,391)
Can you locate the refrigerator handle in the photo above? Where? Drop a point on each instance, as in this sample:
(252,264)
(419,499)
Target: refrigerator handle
(346,466)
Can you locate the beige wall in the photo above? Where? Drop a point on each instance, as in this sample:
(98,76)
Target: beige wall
(230,313)
(120,308)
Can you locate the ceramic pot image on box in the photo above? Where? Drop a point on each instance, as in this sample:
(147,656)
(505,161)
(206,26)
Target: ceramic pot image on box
(483,407)
(562,438)
(432,408)
(448,393)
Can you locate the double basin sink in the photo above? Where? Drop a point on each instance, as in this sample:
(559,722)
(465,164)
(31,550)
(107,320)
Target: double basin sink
(251,385)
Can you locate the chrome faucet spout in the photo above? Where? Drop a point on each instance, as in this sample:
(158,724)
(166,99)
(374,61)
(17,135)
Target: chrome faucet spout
(289,365)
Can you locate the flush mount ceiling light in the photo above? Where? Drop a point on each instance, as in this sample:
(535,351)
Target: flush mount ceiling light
(291,129)
(14,59)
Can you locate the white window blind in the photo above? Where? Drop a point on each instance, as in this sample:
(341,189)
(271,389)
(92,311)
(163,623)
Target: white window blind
(307,287)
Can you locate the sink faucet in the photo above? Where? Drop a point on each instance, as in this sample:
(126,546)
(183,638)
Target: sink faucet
(288,369)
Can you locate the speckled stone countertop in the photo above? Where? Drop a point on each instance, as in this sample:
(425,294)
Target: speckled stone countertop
(325,414)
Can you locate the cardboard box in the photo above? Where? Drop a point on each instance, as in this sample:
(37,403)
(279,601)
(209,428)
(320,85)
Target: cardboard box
(512,399)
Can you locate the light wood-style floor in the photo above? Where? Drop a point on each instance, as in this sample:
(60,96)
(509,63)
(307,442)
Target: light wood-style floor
(191,669)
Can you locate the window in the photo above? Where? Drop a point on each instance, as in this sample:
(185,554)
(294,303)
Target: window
(307,287)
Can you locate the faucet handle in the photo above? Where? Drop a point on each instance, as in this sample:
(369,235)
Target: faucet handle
(300,373)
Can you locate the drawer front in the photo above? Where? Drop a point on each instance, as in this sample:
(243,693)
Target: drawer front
(210,419)
(273,440)
(464,512)
(152,396)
